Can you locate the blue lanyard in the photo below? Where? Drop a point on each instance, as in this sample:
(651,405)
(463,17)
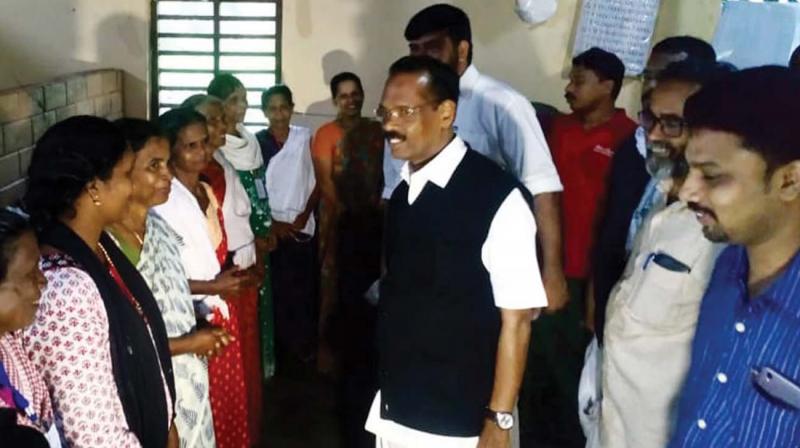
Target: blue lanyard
(20,401)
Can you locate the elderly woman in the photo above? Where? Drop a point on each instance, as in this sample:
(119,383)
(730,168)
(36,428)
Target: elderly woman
(24,403)
(236,211)
(154,248)
(241,150)
(193,211)
(98,338)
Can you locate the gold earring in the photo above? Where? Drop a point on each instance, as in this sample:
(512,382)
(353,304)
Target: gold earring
(96,201)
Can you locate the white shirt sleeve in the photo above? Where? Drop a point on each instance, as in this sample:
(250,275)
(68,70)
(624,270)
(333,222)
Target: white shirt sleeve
(509,254)
(391,171)
(524,147)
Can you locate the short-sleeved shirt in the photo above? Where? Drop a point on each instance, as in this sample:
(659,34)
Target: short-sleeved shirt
(500,123)
(737,335)
(325,140)
(508,254)
(650,323)
(583,159)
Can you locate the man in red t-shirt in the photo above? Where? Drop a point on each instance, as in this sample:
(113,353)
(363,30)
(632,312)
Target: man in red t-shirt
(582,144)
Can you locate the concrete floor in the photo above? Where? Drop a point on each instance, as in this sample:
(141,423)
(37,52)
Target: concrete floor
(300,410)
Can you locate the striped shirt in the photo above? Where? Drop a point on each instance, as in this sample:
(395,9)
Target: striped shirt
(720,405)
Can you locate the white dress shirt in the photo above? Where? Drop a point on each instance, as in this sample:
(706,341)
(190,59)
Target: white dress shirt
(500,123)
(508,254)
(650,323)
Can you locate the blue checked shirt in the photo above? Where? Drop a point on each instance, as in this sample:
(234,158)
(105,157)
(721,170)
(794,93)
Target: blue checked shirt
(720,404)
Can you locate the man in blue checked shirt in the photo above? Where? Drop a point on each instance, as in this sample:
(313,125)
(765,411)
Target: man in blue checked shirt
(744,185)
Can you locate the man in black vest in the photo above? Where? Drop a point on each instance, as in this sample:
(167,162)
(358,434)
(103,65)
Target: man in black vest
(459,290)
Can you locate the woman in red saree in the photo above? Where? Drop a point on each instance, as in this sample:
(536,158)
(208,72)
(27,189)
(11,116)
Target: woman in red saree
(236,208)
(194,213)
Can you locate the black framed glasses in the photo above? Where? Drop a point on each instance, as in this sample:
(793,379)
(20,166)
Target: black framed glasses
(671,125)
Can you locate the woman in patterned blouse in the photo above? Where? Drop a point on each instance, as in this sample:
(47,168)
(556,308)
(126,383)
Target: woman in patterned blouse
(154,248)
(98,338)
(24,404)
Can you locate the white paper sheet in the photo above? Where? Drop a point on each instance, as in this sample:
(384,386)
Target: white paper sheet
(623,27)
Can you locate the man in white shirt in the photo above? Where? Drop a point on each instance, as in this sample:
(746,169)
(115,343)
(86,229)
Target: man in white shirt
(794,60)
(499,123)
(652,311)
(458,295)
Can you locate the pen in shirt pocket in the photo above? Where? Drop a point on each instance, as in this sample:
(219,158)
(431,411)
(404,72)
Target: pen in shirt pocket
(667,262)
(776,386)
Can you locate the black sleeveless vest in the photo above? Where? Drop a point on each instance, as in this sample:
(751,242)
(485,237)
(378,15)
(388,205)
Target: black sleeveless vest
(438,326)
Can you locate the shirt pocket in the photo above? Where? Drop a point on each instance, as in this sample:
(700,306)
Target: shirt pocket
(662,298)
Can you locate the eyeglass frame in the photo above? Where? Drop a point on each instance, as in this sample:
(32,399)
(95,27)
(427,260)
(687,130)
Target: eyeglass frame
(661,122)
(410,111)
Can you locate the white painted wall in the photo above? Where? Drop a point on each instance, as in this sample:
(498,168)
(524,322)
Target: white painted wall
(44,39)
(323,37)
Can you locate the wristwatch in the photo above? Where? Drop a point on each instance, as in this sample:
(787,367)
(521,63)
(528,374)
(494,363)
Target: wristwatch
(503,420)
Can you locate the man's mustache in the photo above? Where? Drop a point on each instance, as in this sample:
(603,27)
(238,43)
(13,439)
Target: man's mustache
(695,207)
(569,97)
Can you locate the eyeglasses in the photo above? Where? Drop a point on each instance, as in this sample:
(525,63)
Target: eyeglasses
(402,113)
(671,125)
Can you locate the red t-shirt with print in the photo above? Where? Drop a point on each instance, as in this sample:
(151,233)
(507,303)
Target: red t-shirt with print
(583,159)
